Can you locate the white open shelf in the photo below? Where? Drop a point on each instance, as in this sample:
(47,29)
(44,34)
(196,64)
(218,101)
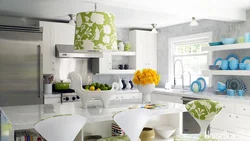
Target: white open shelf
(117,71)
(227,47)
(123,53)
(226,72)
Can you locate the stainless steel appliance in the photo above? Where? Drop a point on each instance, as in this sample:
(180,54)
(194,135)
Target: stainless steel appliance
(190,125)
(67,95)
(66,51)
(20,65)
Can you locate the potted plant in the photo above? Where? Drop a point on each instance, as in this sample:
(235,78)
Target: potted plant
(146,81)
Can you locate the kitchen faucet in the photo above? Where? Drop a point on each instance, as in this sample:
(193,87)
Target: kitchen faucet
(189,77)
(178,60)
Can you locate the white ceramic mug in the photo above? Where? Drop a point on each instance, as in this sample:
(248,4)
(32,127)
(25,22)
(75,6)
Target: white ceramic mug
(47,89)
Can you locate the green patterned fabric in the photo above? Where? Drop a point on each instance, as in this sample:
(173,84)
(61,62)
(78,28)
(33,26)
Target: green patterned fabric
(203,109)
(95,31)
(115,138)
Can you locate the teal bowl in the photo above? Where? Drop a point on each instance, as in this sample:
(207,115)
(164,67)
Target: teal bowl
(242,66)
(221,86)
(227,41)
(215,43)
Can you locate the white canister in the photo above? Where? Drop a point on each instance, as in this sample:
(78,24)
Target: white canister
(47,89)
(121,46)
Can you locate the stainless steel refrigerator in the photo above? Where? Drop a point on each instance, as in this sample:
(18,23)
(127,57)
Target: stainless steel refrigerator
(20,66)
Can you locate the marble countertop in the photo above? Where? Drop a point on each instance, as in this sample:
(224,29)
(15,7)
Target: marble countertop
(57,95)
(24,117)
(204,95)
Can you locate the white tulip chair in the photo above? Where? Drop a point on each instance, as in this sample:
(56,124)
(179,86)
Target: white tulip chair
(132,122)
(204,111)
(60,128)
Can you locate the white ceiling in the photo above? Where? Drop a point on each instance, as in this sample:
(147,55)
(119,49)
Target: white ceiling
(132,13)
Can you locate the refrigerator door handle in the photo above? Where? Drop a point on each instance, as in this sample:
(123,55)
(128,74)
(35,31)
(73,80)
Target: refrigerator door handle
(40,71)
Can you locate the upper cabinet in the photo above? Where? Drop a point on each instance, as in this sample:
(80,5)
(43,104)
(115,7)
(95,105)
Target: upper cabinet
(64,33)
(54,33)
(144,43)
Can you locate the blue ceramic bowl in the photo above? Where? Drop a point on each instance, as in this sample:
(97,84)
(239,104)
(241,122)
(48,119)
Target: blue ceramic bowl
(227,41)
(230,92)
(215,43)
(233,64)
(221,86)
(242,66)
(224,65)
(248,67)
(241,92)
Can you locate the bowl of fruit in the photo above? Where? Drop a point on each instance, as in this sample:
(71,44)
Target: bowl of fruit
(97,87)
(103,92)
(96,90)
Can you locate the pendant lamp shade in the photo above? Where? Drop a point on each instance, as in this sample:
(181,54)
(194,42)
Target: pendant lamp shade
(95,31)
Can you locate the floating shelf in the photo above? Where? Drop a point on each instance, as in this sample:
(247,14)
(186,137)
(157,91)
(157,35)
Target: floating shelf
(227,47)
(226,72)
(117,71)
(123,53)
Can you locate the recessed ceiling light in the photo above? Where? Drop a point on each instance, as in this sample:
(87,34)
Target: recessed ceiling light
(193,22)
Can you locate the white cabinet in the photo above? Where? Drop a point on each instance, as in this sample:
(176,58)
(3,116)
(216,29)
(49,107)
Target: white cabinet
(128,96)
(234,118)
(54,33)
(144,43)
(64,33)
(48,60)
(104,65)
(52,100)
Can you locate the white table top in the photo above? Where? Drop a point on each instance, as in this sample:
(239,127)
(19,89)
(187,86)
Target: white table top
(24,117)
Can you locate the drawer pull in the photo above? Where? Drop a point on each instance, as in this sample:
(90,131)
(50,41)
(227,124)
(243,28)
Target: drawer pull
(244,109)
(224,106)
(237,117)
(229,115)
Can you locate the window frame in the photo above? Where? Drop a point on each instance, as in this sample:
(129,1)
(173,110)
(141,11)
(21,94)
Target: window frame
(182,40)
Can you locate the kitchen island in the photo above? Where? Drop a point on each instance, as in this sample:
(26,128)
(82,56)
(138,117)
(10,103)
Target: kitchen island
(24,117)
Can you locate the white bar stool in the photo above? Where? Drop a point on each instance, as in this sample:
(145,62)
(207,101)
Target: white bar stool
(61,127)
(132,122)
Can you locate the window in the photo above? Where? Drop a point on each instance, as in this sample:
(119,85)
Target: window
(187,49)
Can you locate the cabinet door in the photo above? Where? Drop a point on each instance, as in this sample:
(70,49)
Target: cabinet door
(141,50)
(47,47)
(64,33)
(105,63)
(52,100)
(151,51)
(243,109)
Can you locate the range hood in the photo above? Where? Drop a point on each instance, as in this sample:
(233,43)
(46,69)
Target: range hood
(66,51)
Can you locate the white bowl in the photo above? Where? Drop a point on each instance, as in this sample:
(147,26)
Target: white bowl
(165,131)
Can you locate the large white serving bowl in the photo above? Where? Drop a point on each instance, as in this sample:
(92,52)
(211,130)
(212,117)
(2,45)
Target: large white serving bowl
(104,96)
(165,131)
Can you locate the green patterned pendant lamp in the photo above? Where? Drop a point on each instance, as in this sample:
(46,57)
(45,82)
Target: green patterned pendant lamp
(95,31)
